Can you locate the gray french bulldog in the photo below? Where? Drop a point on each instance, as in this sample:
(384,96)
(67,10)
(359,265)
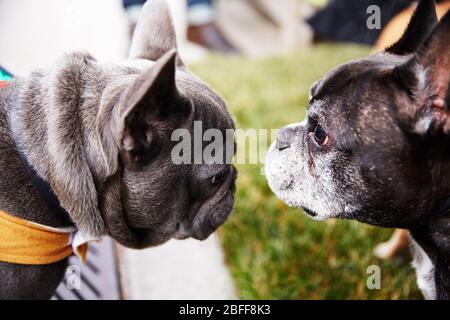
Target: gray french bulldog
(375,146)
(100,135)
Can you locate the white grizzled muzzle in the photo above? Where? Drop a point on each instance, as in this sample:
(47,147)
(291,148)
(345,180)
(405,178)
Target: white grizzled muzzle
(302,179)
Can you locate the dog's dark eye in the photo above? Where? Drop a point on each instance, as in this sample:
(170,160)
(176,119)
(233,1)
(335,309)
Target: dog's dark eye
(320,136)
(219,178)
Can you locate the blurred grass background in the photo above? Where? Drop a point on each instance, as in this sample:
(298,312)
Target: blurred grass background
(275,252)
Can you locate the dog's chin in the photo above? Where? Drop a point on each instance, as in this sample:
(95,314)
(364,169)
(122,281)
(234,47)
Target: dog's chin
(294,200)
(183,231)
(146,238)
(282,177)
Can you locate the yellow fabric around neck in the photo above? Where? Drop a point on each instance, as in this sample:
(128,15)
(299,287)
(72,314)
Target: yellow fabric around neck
(25,242)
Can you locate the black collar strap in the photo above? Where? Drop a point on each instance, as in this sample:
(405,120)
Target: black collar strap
(45,190)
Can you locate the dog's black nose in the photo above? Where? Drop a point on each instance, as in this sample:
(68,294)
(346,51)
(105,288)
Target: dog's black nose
(285,136)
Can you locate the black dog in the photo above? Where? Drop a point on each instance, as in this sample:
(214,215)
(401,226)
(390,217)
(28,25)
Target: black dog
(375,146)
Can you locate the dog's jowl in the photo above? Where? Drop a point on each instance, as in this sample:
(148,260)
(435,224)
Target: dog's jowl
(97,136)
(375,146)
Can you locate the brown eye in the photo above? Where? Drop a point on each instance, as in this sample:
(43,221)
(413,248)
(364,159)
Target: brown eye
(320,136)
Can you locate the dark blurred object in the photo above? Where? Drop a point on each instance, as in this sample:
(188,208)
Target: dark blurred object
(397,25)
(194,2)
(202,28)
(210,37)
(129,3)
(346,20)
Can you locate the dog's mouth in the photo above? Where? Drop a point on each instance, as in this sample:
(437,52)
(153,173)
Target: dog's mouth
(309,212)
(208,217)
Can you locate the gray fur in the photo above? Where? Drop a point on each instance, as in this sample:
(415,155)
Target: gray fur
(99,133)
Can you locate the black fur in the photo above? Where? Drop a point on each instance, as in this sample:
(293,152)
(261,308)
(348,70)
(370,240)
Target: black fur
(420,26)
(387,157)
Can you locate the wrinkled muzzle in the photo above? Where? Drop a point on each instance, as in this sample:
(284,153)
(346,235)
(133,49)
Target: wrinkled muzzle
(213,213)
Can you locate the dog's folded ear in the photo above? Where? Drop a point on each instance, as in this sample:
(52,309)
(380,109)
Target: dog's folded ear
(154,34)
(426,77)
(422,23)
(151,105)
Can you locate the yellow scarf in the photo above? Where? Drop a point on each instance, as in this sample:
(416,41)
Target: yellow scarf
(26,242)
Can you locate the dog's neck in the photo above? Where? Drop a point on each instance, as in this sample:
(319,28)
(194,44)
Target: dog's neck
(66,119)
(440,263)
(433,235)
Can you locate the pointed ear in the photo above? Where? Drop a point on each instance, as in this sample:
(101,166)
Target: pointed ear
(422,22)
(151,105)
(154,34)
(426,76)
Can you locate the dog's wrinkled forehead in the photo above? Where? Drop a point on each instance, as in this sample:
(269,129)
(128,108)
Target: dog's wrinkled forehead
(346,98)
(208,105)
(343,79)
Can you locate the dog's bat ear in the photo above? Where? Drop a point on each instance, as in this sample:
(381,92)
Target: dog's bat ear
(154,34)
(426,77)
(151,105)
(421,24)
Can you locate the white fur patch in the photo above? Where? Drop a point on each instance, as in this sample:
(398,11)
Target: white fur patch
(424,271)
(423,125)
(422,76)
(300,184)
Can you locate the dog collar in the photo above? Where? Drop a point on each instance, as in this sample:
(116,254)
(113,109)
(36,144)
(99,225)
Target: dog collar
(41,185)
(44,188)
(29,243)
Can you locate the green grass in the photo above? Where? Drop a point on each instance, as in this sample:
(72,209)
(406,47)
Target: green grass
(275,252)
